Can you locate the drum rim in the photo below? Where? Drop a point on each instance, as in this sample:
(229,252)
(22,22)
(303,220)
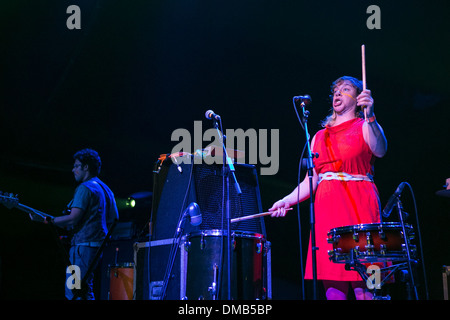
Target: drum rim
(364,257)
(370,227)
(218,232)
(121,265)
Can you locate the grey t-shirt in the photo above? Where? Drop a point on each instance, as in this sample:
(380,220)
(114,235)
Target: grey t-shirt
(100,209)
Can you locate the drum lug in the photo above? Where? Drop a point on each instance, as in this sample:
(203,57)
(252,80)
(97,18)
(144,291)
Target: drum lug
(187,246)
(412,249)
(382,234)
(202,242)
(355,252)
(355,236)
(331,254)
(258,247)
(334,239)
(369,246)
(213,288)
(382,249)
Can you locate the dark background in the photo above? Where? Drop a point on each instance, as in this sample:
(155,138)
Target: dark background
(138,70)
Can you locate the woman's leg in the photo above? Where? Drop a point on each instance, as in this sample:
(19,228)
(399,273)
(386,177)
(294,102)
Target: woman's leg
(336,290)
(361,291)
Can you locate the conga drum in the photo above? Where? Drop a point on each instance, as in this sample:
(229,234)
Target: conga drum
(121,279)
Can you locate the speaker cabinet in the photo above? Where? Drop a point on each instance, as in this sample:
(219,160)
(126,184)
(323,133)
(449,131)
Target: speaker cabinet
(203,184)
(151,263)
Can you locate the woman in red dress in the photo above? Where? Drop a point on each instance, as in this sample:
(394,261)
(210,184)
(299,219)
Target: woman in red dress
(345,193)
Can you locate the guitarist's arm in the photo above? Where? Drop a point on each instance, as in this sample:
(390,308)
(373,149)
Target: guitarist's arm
(70,220)
(65,221)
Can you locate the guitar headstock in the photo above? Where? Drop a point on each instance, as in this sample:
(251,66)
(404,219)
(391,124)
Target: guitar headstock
(9,200)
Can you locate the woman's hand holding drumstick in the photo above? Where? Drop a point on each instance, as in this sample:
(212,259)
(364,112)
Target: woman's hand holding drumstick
(365,98)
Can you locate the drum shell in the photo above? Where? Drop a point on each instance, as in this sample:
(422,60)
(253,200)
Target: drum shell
(121,281)
(369,242)
(248,267)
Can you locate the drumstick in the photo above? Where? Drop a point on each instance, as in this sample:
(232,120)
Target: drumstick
(254,216)
(363,60)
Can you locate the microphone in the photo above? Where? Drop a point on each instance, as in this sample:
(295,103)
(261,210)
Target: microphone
(210,115)
(306,99)
(195,215)
(392,200)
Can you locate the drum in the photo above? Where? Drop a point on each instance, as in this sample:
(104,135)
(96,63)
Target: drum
(205,256)
(377,242)
(121,280)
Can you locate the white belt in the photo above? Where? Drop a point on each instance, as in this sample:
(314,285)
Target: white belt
(343,176)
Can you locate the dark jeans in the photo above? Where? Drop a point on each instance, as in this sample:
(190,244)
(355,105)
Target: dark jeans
(81,256)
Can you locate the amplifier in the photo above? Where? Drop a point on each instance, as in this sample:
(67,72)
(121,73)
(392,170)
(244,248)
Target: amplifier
(151,260)
(203,183)
(445,280)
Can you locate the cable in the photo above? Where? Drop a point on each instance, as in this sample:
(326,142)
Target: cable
(420,240)
(298,116)
(176,238)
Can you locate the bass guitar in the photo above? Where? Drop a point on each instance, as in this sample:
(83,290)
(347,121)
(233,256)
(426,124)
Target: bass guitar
(10,201)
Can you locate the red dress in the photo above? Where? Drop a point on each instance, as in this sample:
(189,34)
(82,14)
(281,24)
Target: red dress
(341,203)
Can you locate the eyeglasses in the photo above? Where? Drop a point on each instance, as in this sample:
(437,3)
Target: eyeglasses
(77,165)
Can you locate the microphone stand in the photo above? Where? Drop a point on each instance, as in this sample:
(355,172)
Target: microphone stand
(228,170)
(310,167)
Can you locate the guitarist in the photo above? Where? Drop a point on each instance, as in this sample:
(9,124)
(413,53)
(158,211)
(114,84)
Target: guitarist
(90,213)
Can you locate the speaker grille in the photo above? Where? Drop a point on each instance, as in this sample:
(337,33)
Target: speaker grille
(173,191)
(211,196)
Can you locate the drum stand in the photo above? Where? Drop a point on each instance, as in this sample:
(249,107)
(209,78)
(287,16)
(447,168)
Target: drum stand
(376,285)
(376,288)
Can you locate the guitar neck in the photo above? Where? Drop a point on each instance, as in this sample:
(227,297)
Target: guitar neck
(33,211)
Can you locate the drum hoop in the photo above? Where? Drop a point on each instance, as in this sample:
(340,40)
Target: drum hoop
(121,265)
(369,227)
(218,233)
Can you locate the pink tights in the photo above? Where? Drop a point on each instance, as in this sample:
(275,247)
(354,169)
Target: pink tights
(338,290)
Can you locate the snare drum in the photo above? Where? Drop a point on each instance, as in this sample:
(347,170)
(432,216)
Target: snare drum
(121,280)
(206,255)
(376,242)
